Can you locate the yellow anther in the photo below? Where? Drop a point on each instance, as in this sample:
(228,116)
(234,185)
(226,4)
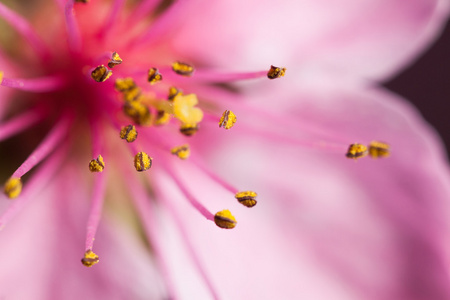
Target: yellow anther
(227,120)
(276,72)
(138,112)
(89,259)
(162,118)
(379,149)
(132,94)
(97,165)
(154,76)
(101,73)
(224,219)
(182,68)
(13,187)
(1,77)
(142,162)
(115,60)
(184,110)
(173,91)
(356,151)
(124,84)
(129,133)
(182,152)
(188,129)
(246,198)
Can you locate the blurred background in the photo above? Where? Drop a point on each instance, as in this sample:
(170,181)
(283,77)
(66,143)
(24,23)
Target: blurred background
(426,83)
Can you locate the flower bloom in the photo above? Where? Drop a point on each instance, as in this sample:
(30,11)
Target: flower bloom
(139,104)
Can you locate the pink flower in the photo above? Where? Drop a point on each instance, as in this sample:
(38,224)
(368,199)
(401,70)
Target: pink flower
(82,75)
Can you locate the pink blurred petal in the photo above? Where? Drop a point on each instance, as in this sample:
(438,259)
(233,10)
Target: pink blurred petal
(364,38)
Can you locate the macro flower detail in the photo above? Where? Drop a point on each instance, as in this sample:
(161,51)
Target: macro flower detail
(146,217)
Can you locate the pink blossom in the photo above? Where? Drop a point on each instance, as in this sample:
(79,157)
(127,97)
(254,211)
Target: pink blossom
(324,227)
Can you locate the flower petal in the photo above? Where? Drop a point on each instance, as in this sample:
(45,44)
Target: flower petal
(367,38)
(327,227)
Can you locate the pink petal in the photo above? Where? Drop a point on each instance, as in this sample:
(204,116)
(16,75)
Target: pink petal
(327,227)
(367,38)
(42,249)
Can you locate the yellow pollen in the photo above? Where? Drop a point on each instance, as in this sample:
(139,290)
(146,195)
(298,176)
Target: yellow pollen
(356,151)
(154,76)
(129,133)
(182,152)
(188,129)
(13,187)
(1,77)
(142,162)
(132,94)
(246,198)
(97,165)
(162,118)
(124,84)
(173,91)
(182,68)
(101,73)
(224,219)
(184,110)
(276,72)
(115,60)
(89,259)
(379,149)
(227,120)
(138,112)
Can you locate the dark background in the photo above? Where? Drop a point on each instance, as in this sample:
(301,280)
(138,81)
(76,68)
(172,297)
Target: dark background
(426,83)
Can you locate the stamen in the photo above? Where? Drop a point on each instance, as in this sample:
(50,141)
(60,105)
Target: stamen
(129,133)
(101,73)
(224,219)
(227,120)
(25,29)
(124,84)
(115,60)
(111,20)
(276,72)
(188,129)
(142,162)
(49,143)
(379,149)
(247,198)
(182,152)
(184,109)
(214,176)
(162,118)
(19,123)
(137,111)
(73,32)
(89,259)
(97,165)
(356,151)
(173,92)
(40,85)
(13,187)
(182,68)
(154,76)
(132,94)
(82,1)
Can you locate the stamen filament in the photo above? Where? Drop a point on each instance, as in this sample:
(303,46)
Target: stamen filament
(38,181)
(25,29)
(212,76)
(185,237)
(39,85)
(144,208)
(73,33)
(53,138)
(192,200)
(213,176)
(98,194)
(111,20)
(20,123)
